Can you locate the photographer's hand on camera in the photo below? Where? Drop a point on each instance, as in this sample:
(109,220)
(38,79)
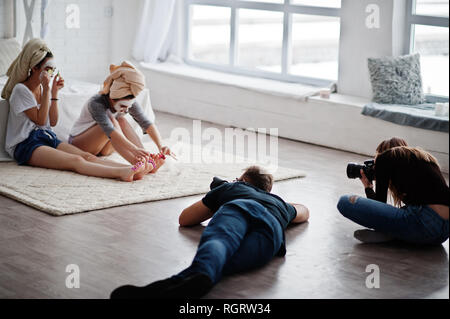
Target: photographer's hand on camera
(368,186)
(365,180)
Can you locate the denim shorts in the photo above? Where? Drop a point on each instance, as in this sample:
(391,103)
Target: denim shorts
(38,137)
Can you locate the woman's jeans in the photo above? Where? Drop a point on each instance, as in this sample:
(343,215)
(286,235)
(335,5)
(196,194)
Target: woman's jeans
(235,241)
(414,224)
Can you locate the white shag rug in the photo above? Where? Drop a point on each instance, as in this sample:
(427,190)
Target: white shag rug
(61,193)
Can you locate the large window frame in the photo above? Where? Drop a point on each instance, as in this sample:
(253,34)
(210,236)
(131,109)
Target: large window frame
(287,9)
(417,19)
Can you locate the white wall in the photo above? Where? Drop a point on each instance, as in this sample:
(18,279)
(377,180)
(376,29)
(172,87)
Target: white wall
(2,19)
(358,42)
(6,18)
(87,52)
(83,53)
(124,27)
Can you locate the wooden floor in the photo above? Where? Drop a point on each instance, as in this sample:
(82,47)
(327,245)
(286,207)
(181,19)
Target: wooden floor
(142,243)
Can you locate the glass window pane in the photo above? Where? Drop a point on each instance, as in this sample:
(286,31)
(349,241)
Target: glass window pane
(319,3)
(260,39)
(432,7)
(210,34)
(432,44)
(315,46)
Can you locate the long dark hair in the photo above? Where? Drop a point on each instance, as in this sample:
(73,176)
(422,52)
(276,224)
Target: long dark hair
(390,143)
(383,147)
(408,153)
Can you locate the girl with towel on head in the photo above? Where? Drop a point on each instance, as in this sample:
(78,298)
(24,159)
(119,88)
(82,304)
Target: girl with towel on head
(102,127)
(33,100)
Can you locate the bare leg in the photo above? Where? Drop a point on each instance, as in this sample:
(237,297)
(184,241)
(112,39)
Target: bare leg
(92,140)
(107,150)
(48,157)
(68,148)
(129,132)
(131,135)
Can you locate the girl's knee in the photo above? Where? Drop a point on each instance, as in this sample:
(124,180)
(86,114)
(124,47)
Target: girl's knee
(75,162)
(89,157)
(115,122)
(122,120)
(345,202)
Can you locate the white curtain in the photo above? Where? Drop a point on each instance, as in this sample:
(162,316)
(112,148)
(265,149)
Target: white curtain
(157,34)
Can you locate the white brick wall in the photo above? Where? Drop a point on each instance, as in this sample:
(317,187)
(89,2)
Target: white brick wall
(83,53)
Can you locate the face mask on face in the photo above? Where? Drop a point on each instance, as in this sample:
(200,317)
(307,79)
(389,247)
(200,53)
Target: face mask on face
(49,67)
(118,106)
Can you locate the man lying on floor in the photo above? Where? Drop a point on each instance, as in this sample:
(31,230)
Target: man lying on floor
(246,231)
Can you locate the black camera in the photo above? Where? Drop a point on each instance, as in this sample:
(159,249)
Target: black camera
(353,170)
(217,182)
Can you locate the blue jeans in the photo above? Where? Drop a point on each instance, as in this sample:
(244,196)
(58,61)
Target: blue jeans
(414,224)
(235,240)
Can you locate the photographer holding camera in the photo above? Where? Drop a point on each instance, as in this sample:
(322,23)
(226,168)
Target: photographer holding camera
(413,177)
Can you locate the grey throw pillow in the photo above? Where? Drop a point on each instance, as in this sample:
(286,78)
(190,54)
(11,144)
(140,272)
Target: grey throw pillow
(396,80)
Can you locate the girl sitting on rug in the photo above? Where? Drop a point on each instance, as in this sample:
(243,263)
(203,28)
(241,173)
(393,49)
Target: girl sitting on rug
(102,126)
(34,110)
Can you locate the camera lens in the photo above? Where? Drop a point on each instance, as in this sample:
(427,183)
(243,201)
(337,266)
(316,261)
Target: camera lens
(353,170)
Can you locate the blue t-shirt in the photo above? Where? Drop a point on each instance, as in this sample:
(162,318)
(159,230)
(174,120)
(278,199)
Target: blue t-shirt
(227,192)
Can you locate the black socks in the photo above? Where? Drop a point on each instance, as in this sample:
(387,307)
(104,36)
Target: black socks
(192,286)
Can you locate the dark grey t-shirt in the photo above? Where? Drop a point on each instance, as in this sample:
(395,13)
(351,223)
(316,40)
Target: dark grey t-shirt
(226,192)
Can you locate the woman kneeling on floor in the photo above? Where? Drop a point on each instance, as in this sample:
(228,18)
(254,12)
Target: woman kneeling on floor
(33,112)
(413,177)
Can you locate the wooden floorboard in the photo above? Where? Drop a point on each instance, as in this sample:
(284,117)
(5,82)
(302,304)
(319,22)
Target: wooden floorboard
(141,243)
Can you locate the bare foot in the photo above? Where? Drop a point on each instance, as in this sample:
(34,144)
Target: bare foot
(158,161)
(147,169)
(127,173)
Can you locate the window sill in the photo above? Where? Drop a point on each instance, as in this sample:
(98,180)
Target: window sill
(342,100)
(295,91)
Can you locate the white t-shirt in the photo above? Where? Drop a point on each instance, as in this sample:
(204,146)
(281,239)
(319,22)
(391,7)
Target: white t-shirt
(19,124)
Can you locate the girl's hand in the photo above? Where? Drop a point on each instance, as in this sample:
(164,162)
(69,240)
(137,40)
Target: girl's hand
(139,158)
(58,84)
(141,153)
(44,78)
(365,181)
(166,151)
